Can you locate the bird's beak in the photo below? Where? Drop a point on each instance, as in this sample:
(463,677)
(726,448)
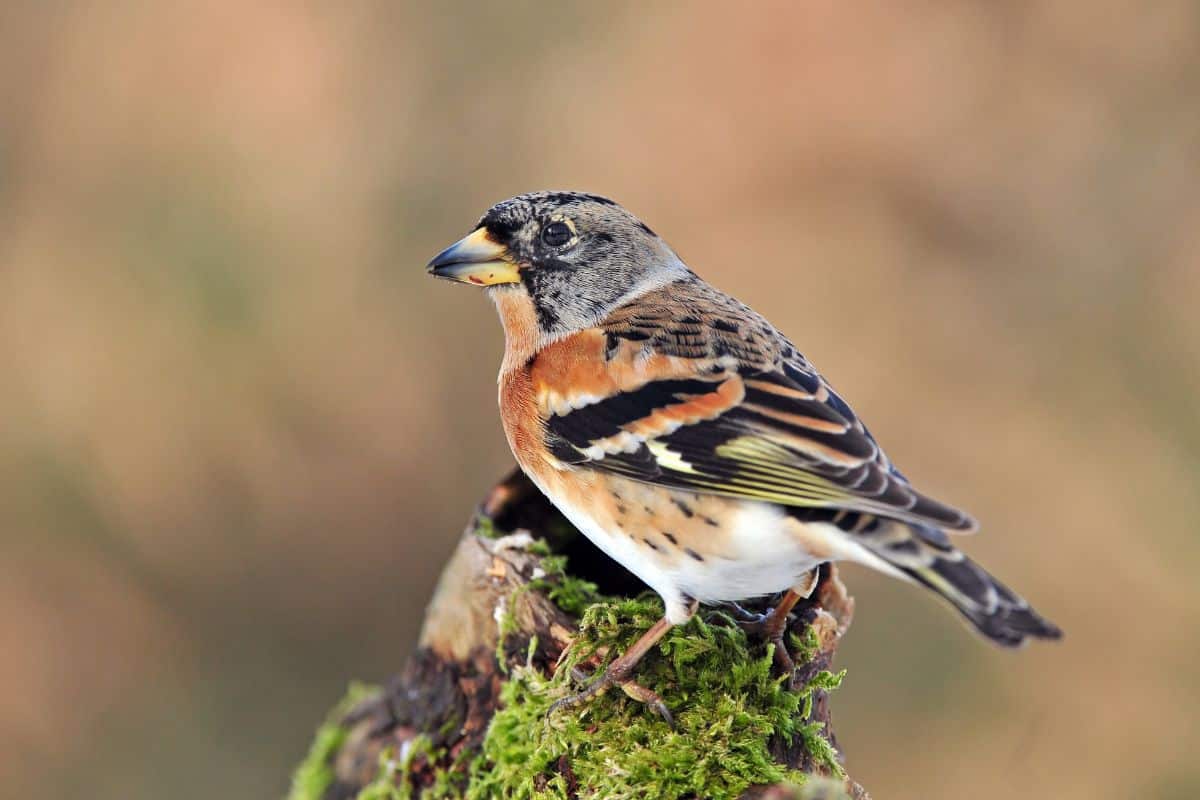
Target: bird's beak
(475,259)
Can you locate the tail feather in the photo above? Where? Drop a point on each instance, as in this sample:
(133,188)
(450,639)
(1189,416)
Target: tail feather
(925,554)
(991,607)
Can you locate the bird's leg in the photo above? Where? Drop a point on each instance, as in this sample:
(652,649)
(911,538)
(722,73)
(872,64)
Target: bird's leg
(619,673)
(770,626)
(774,623)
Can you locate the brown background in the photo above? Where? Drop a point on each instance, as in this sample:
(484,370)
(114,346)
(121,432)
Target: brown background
(240,428)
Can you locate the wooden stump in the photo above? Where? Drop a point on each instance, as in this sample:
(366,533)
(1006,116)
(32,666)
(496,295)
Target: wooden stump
(499,642)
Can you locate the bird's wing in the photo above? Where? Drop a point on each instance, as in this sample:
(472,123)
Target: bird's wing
(701,394)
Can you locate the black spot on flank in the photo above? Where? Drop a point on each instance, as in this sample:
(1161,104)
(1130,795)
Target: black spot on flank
(646,228)
(693,554)
(651,545)
(670,537)
(622,510)
(710,521)
(723,325)
(684,507)
(633,336)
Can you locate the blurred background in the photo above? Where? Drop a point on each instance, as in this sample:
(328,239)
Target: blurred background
(240,429)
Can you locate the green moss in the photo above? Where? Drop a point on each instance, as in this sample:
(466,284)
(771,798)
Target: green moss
(572,595)
(804,648)
(726,702)
(727,705)
(315,773)
(392,778)
(384,786)
(419,771)
(485,526)
(506,625)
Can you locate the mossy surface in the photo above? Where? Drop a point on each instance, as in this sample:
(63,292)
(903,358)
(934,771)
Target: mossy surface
(315,773)
(394,779)
(485,526)
(727,705)
(731,715)
(572,595)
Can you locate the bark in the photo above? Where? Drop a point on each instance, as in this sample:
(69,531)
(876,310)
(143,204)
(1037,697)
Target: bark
(423,733)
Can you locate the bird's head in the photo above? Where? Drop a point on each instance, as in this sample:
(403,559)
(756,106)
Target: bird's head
(576,255)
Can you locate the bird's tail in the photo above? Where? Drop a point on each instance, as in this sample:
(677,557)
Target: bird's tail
(992,608)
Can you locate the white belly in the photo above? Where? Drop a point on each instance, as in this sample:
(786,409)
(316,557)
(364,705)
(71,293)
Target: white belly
(633,557)
(761,558)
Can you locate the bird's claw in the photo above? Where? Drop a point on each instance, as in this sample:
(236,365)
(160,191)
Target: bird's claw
(650,698)
(601,684)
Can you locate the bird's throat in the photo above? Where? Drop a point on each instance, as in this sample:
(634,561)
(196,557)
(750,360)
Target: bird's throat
(522,336)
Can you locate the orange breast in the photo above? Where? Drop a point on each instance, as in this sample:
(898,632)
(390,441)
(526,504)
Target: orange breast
(523,424)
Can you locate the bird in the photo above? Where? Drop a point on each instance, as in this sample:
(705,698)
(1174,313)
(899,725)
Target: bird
(688,438)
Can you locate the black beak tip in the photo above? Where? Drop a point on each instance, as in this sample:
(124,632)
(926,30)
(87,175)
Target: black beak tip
(442,259)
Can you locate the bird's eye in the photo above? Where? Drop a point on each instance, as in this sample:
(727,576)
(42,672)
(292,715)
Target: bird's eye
(556,234)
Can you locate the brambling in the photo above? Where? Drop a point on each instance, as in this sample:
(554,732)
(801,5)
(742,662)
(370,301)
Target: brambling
(688,438)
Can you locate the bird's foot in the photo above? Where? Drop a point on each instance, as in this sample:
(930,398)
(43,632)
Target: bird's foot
(615,675)
(771,626)
(620,673)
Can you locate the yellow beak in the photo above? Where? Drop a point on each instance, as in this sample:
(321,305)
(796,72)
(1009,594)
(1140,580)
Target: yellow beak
(475,259)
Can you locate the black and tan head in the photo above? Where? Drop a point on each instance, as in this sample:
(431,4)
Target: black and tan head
(576,256)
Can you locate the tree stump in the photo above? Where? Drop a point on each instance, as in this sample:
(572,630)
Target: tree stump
(527,608)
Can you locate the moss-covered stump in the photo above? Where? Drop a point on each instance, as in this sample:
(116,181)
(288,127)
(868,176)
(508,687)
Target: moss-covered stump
(524,610)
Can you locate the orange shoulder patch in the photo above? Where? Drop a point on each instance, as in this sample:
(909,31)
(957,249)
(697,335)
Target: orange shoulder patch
(579,370)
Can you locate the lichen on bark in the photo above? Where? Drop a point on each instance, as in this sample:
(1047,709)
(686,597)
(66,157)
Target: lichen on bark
(525,607)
